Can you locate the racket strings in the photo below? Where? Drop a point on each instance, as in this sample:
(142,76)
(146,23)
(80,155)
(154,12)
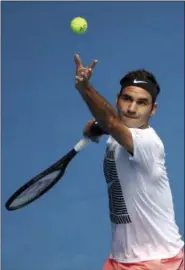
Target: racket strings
(36,189)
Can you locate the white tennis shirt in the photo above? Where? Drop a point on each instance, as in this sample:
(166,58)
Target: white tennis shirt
(140,200)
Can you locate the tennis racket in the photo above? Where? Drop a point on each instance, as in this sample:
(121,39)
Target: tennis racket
(44,181)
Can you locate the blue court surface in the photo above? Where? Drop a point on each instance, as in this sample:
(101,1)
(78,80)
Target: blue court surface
(43,116)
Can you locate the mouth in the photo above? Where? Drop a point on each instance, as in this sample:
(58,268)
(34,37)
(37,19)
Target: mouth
(129,116)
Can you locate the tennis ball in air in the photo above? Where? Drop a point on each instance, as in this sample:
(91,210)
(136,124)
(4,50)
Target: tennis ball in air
(79,25)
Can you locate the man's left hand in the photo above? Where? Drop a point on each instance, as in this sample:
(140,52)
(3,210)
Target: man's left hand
(83,74)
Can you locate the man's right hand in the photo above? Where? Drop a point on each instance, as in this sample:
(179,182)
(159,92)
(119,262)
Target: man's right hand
(93,131)
(87,131)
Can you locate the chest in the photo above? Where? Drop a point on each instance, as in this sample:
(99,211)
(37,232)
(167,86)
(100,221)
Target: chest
(117,165)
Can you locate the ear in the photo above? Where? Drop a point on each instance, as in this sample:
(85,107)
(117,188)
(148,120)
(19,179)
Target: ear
(154,108)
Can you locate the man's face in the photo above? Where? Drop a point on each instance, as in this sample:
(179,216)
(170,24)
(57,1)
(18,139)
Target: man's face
(135,106)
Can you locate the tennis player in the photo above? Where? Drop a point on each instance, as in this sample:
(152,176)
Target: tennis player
(145,235)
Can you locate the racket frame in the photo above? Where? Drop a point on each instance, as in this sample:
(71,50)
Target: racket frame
(60,165)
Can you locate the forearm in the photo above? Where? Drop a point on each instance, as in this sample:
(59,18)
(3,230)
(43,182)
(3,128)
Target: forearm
(100,108)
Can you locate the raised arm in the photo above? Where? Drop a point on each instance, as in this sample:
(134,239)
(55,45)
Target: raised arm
(100,108)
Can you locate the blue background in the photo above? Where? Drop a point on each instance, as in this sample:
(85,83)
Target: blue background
(43,117)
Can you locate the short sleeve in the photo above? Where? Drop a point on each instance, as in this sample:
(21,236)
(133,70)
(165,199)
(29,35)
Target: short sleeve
(147,148)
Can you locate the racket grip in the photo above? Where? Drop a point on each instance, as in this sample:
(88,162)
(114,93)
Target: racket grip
(96,130)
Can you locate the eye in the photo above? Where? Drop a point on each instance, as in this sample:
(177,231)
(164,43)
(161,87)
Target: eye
(142,102)
(126,98)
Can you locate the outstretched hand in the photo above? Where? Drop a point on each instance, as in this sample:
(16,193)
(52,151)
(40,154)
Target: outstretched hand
(83,74)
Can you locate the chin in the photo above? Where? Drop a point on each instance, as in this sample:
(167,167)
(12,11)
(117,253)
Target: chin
(131,123)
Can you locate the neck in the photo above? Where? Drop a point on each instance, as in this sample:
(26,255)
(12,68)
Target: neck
(144,126)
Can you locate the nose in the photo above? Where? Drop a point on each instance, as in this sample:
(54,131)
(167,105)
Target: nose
(132,108)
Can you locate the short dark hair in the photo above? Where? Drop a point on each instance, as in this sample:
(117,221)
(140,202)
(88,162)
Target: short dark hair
(143,75)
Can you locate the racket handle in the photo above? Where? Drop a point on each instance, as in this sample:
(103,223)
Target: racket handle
(96,130)
(83,143)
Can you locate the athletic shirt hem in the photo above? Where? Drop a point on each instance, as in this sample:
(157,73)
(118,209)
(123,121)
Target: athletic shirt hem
(147,258)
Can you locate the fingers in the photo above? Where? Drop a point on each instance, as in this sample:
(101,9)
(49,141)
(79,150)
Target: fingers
(82,77)
(87,128)
(89,72)
(92,66)
(78,61)
(78,78)
(88,134)
(83,74)
(86,73)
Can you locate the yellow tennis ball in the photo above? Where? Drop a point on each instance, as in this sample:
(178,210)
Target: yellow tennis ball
(79,25)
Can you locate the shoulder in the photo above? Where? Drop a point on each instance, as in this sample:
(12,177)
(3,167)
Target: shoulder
(147,144)
(148,138)
(148,135)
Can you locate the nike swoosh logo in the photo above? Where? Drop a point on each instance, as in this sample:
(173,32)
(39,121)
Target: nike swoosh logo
(136,81)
